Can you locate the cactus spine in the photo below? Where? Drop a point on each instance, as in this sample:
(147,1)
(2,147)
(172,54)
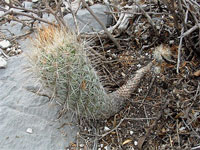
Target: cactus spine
(65,67)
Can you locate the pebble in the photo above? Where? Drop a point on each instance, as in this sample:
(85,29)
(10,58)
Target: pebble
(29,130)
(131,132)
(138,65)
(27,5)
(18,51)
(8,50)
(81,145)
(106,129)
(3,63)
(182,128)
(171,42)
(5,44)
(35,1)
(106,148)
(158,27)
(135,143)
(13,49)
(123,74)
(139,90)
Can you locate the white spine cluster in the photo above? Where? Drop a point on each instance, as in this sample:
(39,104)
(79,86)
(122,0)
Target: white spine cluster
(161,52)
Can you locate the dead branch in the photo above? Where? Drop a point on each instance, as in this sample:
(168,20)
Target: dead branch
(188,32)
(102,25)
(171,8)
(74,17)
(143,138)
(149,19)
(21,8)
(58,18)
(10,12)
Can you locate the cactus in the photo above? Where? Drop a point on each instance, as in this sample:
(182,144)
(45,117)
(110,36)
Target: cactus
(64,66)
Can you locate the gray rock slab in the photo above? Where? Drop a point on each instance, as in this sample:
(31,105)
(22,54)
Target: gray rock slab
(86,21)
(27,5)
(21,109)
(13,28)
(5,44)
(3,63)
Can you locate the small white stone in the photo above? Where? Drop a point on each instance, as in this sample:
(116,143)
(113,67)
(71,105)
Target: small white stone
(35,1)
(5,44)
(114,55)
(131,132)
(171,42)
(3,63)
(99,148)
(89,130)
(29,130)
(123,74)
(106,129)
(27,5)
(182,128)
(8,49)
(18,51)
(106,148)
(139,90)
(158,27)
(101,145)
(81,145)
(138,65)
(13,50)
(135,143)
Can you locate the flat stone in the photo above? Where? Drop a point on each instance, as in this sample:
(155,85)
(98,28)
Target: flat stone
(86,21)
(21,109)
(27,5)
(29,130)
(3,63)
(106,129)
(35,1)
(5,44)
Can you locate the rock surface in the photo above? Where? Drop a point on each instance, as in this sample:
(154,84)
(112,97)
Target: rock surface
(27,5)
(21,109)
(28,121)
(3,63)
(86,22)
(5,44)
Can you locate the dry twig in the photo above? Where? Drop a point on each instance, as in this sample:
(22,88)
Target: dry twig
(102,25)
